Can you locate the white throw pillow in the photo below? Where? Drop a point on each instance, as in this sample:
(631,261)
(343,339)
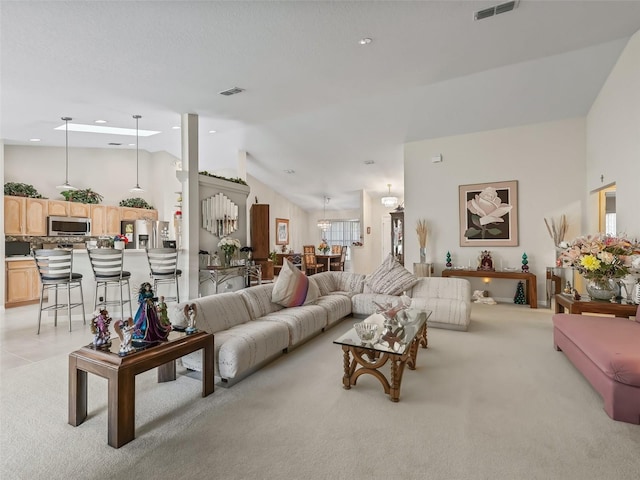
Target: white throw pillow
(293,288)
(390,278)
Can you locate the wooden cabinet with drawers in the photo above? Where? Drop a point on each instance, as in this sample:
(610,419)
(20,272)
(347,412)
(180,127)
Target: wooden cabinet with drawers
(22,283)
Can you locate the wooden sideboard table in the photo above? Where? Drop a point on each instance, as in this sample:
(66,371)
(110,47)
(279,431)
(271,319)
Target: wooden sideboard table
(529,278)
(567,304)
(121,374)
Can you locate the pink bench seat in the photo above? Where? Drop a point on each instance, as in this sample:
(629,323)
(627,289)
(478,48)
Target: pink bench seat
(606,351)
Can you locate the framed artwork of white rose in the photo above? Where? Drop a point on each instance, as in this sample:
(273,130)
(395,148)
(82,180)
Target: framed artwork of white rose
(489,214)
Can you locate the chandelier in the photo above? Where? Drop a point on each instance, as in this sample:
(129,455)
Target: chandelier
(323,223)
(389,201)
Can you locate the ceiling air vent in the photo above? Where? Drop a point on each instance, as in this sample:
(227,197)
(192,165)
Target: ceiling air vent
(495,10)
(231,91)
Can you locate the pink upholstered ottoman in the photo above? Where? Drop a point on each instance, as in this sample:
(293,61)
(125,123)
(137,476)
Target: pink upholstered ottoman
(606,351)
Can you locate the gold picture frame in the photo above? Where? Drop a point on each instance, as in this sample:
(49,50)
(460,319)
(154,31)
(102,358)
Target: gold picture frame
(282,231)
(489,214)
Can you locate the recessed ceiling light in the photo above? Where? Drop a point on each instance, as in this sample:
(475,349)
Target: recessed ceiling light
(79,127)
(369,162)
(231,91)
(365,41)
(34,139)
(114,144)
(212,131)
(100,121)
(289,171)
(175,127)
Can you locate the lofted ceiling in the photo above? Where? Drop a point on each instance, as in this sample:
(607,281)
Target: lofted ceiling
(315,100)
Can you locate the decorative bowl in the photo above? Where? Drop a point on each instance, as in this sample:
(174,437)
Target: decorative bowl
(366,331)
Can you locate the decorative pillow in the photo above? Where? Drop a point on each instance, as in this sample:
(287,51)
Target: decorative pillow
(292,288)
(391,278)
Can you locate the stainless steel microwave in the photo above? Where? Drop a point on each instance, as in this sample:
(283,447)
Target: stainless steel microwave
(68,226)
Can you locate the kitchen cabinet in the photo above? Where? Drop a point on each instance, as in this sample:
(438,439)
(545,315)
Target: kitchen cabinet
(58,208)
(79,209)
(128,213)
(25,216)
(22,283)
(105,220)
(259,232)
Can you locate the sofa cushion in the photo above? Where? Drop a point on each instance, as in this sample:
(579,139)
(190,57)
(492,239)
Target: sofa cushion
(293,288)
(348,282)
(325,282)
(302,322)
(214,313)
(390,278)
(337,307)
(258,300)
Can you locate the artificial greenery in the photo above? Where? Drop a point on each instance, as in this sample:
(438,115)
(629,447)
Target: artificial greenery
(234,180)
(82,196)
(135,202)
(21,190)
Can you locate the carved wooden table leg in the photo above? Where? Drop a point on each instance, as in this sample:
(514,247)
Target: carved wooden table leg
(346,379)
(395,380)
(424,341)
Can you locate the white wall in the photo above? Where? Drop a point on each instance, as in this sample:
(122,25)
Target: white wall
(547,159)
(613,139)
(110,172)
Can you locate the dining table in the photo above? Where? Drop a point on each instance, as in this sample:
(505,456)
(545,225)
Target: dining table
(326,258)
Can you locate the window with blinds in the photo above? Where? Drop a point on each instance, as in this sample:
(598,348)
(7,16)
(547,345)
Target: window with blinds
(342,232)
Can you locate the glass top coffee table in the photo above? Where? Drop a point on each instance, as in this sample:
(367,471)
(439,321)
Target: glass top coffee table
(397,343)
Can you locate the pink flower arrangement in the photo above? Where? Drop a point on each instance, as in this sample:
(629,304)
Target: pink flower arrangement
(600,257)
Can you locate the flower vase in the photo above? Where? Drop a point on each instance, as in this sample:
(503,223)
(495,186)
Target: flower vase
(601,290)
(423,254)
(118,245)
(227,258)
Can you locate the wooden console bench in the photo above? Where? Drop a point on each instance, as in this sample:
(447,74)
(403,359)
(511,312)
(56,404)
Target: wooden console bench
(529,278)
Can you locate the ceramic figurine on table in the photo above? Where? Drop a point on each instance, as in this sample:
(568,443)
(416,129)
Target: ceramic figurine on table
(190,311)
(162,312)
(567,288)
(100,330)
(148,328)
(448,264)
(525,263)
(486,262)
(124,329)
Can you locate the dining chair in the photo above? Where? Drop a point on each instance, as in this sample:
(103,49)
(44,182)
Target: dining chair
(338,263)
(336,249)
(163,263)
(107,264)
(55,268)
(310,263)
(309,249)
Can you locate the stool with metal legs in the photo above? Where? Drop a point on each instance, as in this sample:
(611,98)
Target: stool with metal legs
(55,268)
(107,271)
(163,263)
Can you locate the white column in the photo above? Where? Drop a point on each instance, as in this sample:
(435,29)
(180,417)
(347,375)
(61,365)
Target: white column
(242,164)
(190,204)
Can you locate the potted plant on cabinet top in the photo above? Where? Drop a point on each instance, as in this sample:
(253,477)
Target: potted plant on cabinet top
(15,189)
(82,196)
(135,202)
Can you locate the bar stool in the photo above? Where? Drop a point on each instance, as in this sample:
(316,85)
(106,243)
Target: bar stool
(163,263)
(106,264)
(55,268)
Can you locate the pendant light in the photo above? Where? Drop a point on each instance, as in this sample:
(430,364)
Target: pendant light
(137,187)
(323,223)
(390,201)
(66,185)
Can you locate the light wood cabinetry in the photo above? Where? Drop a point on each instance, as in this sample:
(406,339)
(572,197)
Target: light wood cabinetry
(25,216)
(79,209)
(58,208)
(22,283)
(105,220)
(28,216)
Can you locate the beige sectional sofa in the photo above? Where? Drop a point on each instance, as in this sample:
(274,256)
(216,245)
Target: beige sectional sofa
(250,330)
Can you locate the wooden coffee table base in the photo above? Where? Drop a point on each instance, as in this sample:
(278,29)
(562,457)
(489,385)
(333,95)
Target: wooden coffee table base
(121,372)
(368,361)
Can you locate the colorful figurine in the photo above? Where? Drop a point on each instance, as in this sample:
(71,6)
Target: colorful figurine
(148,328)
(486,262)
(162,312)
(190,311)
(124,329)
(100,329)
(448,264)
(525,262)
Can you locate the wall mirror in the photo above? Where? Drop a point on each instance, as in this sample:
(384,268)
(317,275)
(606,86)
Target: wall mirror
(219,215)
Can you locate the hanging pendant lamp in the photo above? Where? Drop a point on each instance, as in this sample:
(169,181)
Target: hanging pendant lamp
(137,188)
(390,201)
(323,223)
(66,185)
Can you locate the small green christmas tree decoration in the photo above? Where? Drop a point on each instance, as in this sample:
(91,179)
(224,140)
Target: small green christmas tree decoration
(520,299)
(449,264)
(525,262)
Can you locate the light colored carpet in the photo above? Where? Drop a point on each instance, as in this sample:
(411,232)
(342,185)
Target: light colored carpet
(496,402)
